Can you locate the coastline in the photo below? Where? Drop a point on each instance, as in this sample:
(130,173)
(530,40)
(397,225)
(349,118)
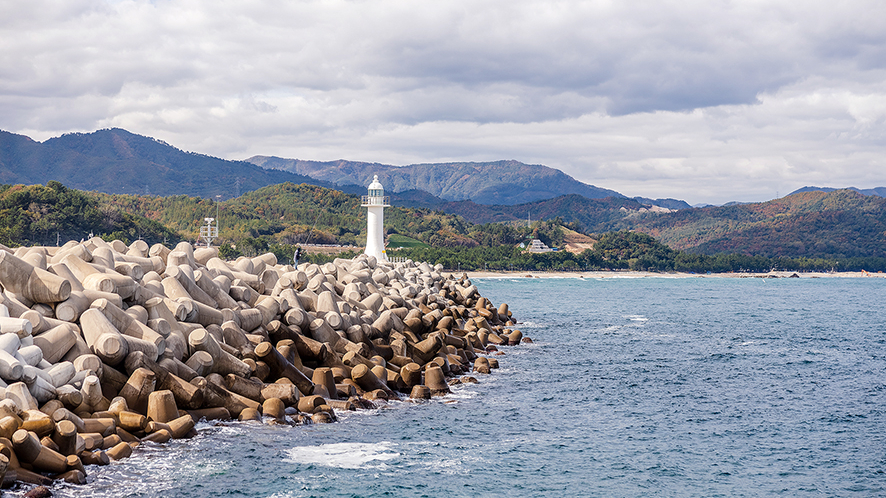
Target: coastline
(644,274)
(136,344)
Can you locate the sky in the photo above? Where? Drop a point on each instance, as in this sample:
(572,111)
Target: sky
(706,101)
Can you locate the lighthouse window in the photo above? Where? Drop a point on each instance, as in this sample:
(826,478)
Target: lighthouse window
(377,193)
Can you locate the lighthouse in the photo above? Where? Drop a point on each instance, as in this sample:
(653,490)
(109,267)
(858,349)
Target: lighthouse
(375,204)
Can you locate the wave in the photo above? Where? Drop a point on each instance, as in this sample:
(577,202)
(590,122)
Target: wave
(342,455)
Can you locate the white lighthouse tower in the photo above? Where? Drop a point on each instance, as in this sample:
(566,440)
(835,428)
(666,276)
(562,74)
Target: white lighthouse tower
(375,204)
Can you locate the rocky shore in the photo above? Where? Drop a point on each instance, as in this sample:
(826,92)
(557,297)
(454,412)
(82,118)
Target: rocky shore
(104,346)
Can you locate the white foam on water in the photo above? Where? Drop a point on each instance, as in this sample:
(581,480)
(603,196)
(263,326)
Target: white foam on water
(637,318)
(610,328)
(342,455)
(462,393)
(429,455)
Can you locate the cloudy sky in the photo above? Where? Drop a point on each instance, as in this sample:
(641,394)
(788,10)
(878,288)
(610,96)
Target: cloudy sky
(707,101)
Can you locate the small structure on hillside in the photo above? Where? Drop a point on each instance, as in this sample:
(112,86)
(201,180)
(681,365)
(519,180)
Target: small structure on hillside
(375,204)
(537,246)
(209,231)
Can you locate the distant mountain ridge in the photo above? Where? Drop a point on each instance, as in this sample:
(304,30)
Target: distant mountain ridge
(492,183)
(117,161)
(878,191)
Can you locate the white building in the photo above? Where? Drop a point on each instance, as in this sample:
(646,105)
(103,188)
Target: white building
(538,246)
(375,204)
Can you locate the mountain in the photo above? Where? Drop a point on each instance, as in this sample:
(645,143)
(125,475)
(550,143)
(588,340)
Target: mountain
(117,161)
(497,182)
(593,215)
(841,223)
(814,222)
(878,191)
(673,204)
(13,169)
(813,225)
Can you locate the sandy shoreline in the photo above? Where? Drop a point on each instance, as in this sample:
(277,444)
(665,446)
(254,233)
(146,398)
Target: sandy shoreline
(640,274)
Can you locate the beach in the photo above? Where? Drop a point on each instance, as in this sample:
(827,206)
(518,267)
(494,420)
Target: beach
(646,274)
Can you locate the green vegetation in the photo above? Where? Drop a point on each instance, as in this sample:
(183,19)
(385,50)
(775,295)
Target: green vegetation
(282,217)
(840,224)
(627,250)
(836,225)
(38,215)
(291,214)
(397,241)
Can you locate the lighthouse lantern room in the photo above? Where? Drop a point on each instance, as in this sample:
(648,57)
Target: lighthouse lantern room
(375,204)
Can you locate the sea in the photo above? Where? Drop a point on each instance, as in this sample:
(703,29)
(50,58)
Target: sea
(652,386)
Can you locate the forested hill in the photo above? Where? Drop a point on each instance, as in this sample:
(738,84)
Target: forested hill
(594,215)
(842,223)
(836,225)
(282,207)
(117,161)
(293,214)
(44,215)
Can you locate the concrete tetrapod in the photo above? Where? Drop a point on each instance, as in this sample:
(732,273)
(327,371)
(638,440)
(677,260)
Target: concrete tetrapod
(163,327)
(138,388)
(280,367)
(37,285)
(103,337)
(436,381)
(323,376)
(225,363)
(161,406)
(216,394)
(368,381)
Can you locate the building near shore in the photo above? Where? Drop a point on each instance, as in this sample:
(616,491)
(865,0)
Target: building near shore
(375,204)
(537,246)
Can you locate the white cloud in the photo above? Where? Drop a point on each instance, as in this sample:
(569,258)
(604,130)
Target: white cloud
(707,101)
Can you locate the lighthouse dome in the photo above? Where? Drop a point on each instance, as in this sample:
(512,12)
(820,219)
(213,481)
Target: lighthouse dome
(375,185)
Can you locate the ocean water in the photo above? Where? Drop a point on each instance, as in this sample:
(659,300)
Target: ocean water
(633,387)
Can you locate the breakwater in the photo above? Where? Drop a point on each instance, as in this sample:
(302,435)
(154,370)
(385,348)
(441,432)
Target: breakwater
(106,346)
